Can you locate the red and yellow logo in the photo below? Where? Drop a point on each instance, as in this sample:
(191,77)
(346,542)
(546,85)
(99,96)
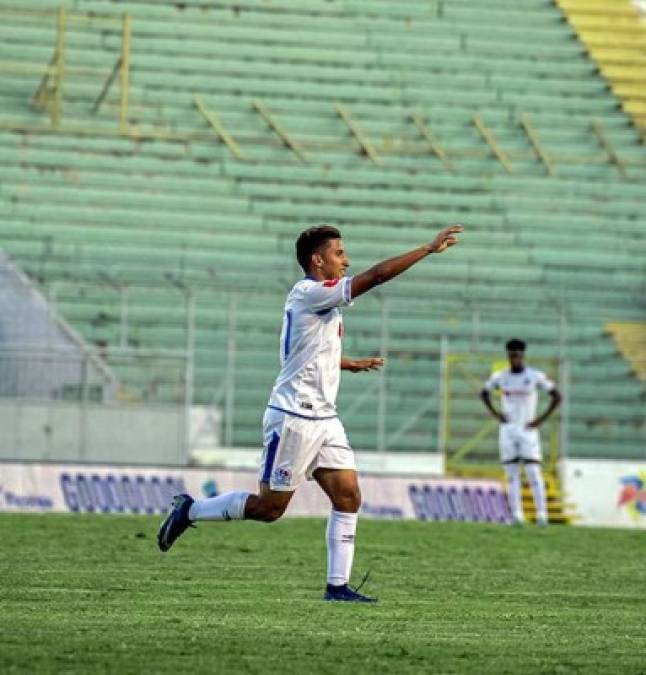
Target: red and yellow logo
(632,496)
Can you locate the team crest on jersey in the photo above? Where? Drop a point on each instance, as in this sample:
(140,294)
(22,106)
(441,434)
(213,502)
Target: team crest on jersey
(282,475)
(330,283)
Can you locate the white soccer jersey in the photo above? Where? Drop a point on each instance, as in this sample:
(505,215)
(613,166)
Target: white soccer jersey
(310,348)
(519,393)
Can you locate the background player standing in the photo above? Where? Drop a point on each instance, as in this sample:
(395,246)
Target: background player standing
(303,436)
(519,437)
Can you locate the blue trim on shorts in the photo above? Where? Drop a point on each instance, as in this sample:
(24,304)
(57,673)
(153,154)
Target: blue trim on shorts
(303,417)
(271,457)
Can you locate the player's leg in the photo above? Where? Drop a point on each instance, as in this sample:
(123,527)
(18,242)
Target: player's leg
(282,468)
(270,503)
(266,506)
(514,495)
(334,469)
(537,484)
(532,456)
(287,451)
(510,461)
(342,487)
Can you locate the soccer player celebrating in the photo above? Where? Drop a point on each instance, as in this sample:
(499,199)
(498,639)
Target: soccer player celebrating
(519,438)
(303,436)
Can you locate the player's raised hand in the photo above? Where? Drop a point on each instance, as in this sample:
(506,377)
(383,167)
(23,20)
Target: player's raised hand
(388,269)
(446,238)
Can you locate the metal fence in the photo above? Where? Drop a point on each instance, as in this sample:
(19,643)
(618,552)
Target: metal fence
(119,403)
(56,405)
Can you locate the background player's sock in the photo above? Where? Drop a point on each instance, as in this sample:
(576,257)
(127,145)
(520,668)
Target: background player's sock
(513,491)
(341,530)
(229,506)
(536,482)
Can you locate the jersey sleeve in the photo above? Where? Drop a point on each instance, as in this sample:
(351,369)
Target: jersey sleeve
(320,296)
(493,382)
(543,382)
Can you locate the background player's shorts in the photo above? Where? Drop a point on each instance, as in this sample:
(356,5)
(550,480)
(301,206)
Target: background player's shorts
(517,443)
(294,448)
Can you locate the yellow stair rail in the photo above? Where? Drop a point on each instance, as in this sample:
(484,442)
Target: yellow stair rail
(558,510)
(630,339)
(614,34)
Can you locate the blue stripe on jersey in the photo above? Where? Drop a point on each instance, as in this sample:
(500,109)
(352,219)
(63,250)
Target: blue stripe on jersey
(271,457)
(288,332)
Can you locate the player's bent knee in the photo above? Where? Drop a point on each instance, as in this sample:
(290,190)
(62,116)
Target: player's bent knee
(348,501)
(268,516)
(265,510)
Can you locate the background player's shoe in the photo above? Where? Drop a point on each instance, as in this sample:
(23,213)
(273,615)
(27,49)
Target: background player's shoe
(345,594)
(176,522)
(542,521)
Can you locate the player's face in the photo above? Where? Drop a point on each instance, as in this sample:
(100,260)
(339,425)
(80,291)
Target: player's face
(334,260)
(516,359)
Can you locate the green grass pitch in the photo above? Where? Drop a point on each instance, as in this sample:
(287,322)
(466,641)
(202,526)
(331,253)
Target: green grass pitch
(91,594)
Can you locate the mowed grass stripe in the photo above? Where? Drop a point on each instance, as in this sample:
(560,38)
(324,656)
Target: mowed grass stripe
(91,594)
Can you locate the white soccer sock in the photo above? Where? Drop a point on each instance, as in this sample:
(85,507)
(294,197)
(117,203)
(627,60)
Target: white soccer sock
(513,491)
(535,479)
(229,506)
(341,529)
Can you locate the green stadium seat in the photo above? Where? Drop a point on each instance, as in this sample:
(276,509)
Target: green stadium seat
(78,210)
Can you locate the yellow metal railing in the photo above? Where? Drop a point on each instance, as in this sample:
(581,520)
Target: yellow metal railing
(615,36)
(49,95)
(630,339)
(60,71)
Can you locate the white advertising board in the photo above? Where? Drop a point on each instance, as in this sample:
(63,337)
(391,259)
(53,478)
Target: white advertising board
(78,488)
(607,493)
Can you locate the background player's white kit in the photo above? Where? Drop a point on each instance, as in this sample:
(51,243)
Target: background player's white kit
(519,398)
(519,437)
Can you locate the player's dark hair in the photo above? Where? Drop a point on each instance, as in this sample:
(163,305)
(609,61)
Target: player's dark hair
(515,345)
(311,240)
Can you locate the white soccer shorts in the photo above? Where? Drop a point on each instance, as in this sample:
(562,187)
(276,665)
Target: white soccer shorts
(294,447)
(519,444)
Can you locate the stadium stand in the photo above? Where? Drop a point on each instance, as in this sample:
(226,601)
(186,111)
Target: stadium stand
(614,34)
(248,120)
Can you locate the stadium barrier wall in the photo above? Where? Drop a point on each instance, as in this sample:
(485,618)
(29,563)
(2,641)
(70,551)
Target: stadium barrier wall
(72,431)
(84,488)
(606,493)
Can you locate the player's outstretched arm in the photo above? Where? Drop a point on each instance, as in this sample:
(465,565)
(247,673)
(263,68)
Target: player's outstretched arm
(388,269)
(362,365)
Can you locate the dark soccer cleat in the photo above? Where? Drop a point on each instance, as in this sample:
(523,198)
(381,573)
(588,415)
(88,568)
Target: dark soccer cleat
(345,594)
(176,522)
